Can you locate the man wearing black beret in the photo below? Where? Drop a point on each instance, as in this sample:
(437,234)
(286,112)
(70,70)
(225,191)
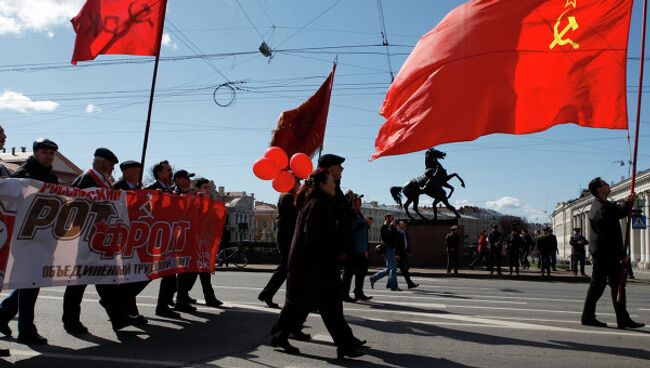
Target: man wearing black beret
(96,177)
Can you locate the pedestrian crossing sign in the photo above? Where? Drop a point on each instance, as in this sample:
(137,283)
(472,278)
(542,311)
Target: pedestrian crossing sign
(639,222)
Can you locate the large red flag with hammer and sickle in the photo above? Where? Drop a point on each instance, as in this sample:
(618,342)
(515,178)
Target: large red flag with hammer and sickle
(504,66)
(130,27)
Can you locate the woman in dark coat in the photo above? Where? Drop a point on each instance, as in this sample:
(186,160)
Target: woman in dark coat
(313,281)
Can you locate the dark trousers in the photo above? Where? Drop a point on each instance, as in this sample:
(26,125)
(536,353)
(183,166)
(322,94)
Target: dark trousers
(166,292)
(109,298)
(545,262)
(554,260)
(356,265)
(403,266)
(605,272)
(495,259)
(513,255)
(578,258)
(128,293)
(524,259)
(72,304)
(21,302)
(277,279)
(452,260)
(292,317)
(186,283)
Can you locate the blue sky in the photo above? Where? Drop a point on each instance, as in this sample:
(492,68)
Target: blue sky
(84,108)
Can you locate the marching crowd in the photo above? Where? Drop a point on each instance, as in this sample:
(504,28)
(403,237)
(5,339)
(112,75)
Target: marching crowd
(321,230)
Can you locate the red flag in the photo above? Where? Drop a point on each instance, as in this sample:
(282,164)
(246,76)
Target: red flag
(502,66)
(132,27)
(303,128)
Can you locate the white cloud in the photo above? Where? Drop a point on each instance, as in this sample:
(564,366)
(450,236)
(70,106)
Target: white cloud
(167,41)
(504,203)
(18,16)
(50,34)
(91,108)
(16,101)
(517,207)
(463,202)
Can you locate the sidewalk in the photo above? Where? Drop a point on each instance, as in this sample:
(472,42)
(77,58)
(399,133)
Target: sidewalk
(525,275)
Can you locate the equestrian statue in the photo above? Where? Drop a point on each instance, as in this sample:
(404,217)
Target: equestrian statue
(431,183)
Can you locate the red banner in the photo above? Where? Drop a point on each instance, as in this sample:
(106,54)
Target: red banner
(55,235)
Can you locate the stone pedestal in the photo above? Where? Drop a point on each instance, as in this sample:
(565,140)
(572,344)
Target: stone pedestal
(428,243)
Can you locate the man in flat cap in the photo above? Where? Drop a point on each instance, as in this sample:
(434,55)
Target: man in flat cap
(22,301)
(128,292)
(130,175)
(578,253)
(97,177)
(185,280)
(345,216)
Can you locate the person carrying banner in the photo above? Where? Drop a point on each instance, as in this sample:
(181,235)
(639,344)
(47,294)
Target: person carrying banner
(129,291)
(202,187)
(96,177)
(22,301)
(162,172)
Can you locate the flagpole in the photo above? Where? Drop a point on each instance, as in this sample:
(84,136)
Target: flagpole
(636,151)
(145,143)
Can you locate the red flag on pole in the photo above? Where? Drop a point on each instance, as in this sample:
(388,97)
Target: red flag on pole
(303,128)
(131,27)
(513,67)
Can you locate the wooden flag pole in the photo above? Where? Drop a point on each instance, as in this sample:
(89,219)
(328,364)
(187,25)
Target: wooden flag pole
(621,285)
(153,89)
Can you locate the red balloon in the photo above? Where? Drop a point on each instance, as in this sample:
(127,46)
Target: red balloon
(278,156)
(284,182)
(265,169)
(301,165)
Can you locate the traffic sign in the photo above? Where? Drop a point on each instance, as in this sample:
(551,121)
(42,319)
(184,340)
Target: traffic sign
(639,222)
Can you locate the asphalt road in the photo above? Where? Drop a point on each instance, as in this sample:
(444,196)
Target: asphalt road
(444,323)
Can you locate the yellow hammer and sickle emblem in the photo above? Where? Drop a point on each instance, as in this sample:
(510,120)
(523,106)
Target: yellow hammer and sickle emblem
(559,35)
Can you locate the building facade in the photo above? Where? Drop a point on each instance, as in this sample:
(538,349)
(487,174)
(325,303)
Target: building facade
(575,213)
(240,215)
(265,224)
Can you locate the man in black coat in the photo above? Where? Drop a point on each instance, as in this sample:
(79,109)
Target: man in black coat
(162,172)
(452,243)
(22,301)
(128,292)
(96,177)
(514,245)
(286,224)
(495,243)
(578,253)
(608,254)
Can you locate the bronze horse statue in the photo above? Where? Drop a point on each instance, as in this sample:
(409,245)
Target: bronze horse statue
(431,183)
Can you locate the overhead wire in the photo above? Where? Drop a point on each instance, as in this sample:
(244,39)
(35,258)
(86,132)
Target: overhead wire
(309,22)
(384,39)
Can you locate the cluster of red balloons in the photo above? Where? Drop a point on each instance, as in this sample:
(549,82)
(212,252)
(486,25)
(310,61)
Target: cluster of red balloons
(273,166)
